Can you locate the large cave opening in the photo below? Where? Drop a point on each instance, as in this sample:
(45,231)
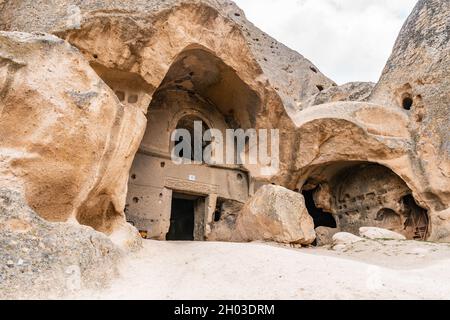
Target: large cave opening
(362,194)
(198,87)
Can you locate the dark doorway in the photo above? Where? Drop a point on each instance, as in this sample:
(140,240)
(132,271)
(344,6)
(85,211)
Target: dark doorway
(182,220)
(320,217)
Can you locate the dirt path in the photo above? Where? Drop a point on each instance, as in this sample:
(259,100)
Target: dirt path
(205,270)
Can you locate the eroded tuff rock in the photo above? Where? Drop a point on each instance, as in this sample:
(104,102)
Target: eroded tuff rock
(66,141)
(141,39)
(40,259)
(352,91)
(276,214)
(402,126)
(416,80)
(365,157)
(133,46)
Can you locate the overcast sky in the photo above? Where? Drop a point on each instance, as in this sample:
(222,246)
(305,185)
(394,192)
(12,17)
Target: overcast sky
(348,40)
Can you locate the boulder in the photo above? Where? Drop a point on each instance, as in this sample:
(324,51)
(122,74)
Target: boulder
(40,259)
(379,233)
(276,214)
(345,238)
(324,235)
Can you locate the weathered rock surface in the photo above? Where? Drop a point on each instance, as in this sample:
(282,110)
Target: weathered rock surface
(225,228)
(327,132)
(276,214)
(352,91)
(379,233)
(67,143)
(440,223)
(40,259)
(416,80)
(402,126)
(324,236)
(140,40)
(343,238)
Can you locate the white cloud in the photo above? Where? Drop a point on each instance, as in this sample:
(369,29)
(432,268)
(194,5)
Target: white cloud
(349,40)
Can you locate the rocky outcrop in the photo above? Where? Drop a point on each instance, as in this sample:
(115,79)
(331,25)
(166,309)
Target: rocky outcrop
(275,214)
(72,119)
(352,91)
(67,142)
(416,81)
(40,259)
(131,46)
(403,125)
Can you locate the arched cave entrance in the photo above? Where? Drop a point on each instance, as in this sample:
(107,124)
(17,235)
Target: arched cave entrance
(178,202)
(360,194)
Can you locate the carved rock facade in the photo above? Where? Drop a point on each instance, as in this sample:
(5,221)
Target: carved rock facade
(87,121)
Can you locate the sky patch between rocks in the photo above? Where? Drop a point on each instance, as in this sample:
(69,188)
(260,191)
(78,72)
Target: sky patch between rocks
(348,40)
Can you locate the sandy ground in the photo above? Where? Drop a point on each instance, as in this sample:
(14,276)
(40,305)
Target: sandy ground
(208,270)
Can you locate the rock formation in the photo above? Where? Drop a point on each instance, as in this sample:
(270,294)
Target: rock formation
(39,259)
(140,50)
(66,140)
(278,215)
(88,102)
(402,126)
(352,91)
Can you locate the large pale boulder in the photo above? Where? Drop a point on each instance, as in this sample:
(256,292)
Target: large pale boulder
(276,214)
(345,238)
(67,143)
(40,259)
(380,233)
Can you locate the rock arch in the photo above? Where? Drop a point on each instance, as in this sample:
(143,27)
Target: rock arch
(198,86)
(363,194)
